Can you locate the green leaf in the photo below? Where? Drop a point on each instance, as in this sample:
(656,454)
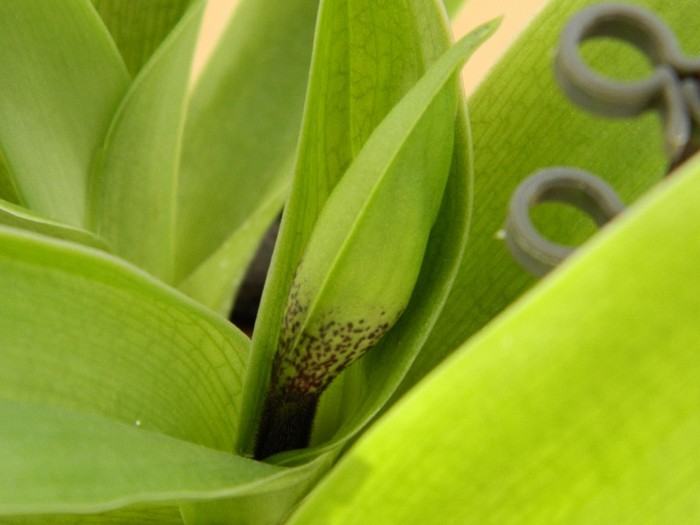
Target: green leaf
(135,182)
(534,423)
(118,473)
(453,7)
(8,191)
(346,291)
(83,330)
(104,465)
(217,279)
(522,122)
(137,515)
(138,27)
(241,133)
(373,382)
(270,502)
(19,217)
(332,132)
(62,80)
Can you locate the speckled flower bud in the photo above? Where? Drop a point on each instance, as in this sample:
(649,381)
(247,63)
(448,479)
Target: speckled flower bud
(359,267)
(365,252)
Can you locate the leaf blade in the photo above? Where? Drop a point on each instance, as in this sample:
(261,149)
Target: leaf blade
(240,137)
(453,7)
(104,465)
(138,28)
(520,108)
(517,426)
(18,217)
(217,279)
(134,186)
(83,330)
(54,117)
(323,162)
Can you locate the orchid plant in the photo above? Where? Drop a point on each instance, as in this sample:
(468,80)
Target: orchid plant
(403,368)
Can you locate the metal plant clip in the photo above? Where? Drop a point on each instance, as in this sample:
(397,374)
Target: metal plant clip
(673,88)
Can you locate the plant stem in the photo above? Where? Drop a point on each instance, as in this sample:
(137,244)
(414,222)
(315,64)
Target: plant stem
(286,422)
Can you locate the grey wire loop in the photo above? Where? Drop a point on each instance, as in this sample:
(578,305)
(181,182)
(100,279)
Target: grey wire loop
(535,253)
(673,87)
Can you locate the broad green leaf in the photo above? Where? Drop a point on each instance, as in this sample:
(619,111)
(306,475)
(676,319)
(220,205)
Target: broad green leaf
(104,465)
(324,152)
(83,330)
(522,122)
(269,503)
(577,405)
(332,132)
(158,514)
(19,217)
(8,191)
(450,251)
(242,128)
(62,81)
(217,279)
(368,386)
(135,181)
(138,27)
(395,182)
(111,472)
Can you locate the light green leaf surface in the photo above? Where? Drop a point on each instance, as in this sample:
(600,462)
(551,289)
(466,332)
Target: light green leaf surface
(577,405)
(522,122)
(105,465)
(19,217)
(56,101)
(217,279)
(385,202)
(271,504)
(82,330)
(8,191)
(381,371)
(138,27)
(154,514)
(241,133)
(334,133)
(135,182)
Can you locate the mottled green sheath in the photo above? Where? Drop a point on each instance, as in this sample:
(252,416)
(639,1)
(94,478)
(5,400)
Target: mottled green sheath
(308,360)
(365,252)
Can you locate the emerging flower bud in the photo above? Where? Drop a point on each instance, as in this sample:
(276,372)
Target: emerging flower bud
(365,252)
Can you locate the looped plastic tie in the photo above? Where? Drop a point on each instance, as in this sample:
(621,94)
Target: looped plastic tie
(673,87)
(590,194)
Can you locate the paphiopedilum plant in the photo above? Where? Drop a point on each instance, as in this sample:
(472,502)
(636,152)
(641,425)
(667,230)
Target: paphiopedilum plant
(133,203)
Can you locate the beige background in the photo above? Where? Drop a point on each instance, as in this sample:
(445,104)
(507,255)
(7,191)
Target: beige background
(517,13)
